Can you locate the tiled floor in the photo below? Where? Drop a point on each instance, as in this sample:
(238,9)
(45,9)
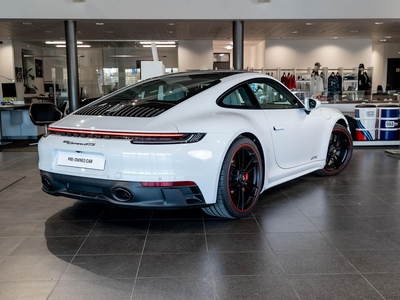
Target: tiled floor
(312,238)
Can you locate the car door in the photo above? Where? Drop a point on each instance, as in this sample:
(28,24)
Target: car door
(296,135)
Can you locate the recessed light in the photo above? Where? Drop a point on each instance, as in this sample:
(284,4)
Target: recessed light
(309,24)
(378,23)
(335,37)
(354,31)
(388,37)
(383,40)
(27,23)
(170,31)
(47,31)
(170,24)
(99,24)
(295,31)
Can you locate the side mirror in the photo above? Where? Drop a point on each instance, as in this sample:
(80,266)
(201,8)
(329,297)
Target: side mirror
(311,104)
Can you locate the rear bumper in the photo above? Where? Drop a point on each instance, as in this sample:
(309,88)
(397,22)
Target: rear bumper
(121,193)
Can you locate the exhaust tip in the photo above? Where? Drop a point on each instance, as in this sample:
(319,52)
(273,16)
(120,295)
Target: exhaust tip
(46,183)
(122,194)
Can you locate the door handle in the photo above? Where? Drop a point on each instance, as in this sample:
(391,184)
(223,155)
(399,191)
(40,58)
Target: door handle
(276,128)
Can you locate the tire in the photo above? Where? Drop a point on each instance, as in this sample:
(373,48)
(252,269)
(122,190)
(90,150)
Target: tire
(339,152)
(240,181)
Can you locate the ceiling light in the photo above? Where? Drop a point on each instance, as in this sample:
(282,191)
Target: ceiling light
(354,31)
(383,40)
(60,43)
(378,23)
(388,37)
(295,31)
(170,24)
(335,37)
(229,47)
(309,24)
(160,46)
(47,31)
(99,24)
(170,31)
(27,23)
(79,46)
(158,43)
(110,31)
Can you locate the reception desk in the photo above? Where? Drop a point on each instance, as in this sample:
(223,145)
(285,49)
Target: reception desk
(16,124)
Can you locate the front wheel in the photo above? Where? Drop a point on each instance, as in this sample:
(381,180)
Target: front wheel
(240,181)
(339,153)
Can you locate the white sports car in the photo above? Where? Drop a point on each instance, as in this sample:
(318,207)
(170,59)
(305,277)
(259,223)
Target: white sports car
(209,139)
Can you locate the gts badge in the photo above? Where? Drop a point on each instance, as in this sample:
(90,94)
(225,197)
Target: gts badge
(314,157)
(80,144)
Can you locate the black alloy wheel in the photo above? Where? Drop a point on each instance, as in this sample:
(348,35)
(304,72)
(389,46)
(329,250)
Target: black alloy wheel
(339,152)
(240,181)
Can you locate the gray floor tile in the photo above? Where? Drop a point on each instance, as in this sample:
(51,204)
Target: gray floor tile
(359,240)
(386,284)
(96,267)
(176,227)
(126,228)
(26,290)
(178,288)
(175,243)
(174,265)
(252,263)
(342,223)
(8,245)
(231,226)
(299,240)
(374,261)
(254,288)
(48,245)
(23,268)
(314,262)
(116,289)
(113,245)
(283,224)
(237,243)
(63,229)
(333,287)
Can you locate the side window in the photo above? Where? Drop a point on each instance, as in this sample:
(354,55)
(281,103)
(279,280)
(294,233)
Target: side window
(271,95)
(238,98)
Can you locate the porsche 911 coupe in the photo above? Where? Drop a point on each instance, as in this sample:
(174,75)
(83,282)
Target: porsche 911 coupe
(213,140)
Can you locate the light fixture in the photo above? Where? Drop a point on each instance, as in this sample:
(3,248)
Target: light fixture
(354,31)
(335,37)
(383,40)
(110,31)
(79,46)
(388,37)
(378,23)
(160,46)
(229,47)
(47,31)
(27,23)
(309,24)
(295,31)
(99,24)
(170,24)
(60,43)
(158,43)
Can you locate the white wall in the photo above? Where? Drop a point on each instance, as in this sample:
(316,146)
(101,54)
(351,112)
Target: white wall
(200,9)
(254,56)
(195,55)
(6,63)
(380,65)
(305,53)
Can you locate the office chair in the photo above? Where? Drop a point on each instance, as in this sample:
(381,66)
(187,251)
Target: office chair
(43,114)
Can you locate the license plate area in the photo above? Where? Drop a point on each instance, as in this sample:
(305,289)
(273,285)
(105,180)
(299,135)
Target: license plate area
(81,160)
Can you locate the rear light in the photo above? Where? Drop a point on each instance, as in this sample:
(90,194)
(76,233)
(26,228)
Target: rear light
(168,184)
(134,137)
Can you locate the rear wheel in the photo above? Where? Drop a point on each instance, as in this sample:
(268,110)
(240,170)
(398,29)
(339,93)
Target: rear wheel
(339,153)
(240,183)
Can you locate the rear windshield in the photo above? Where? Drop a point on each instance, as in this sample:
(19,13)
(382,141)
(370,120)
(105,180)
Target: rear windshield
(172,89)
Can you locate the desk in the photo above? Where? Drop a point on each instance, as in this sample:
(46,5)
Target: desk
(15,123)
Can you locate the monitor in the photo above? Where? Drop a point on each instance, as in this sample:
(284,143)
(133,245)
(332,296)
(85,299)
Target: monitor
(9,90)
(50,86)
